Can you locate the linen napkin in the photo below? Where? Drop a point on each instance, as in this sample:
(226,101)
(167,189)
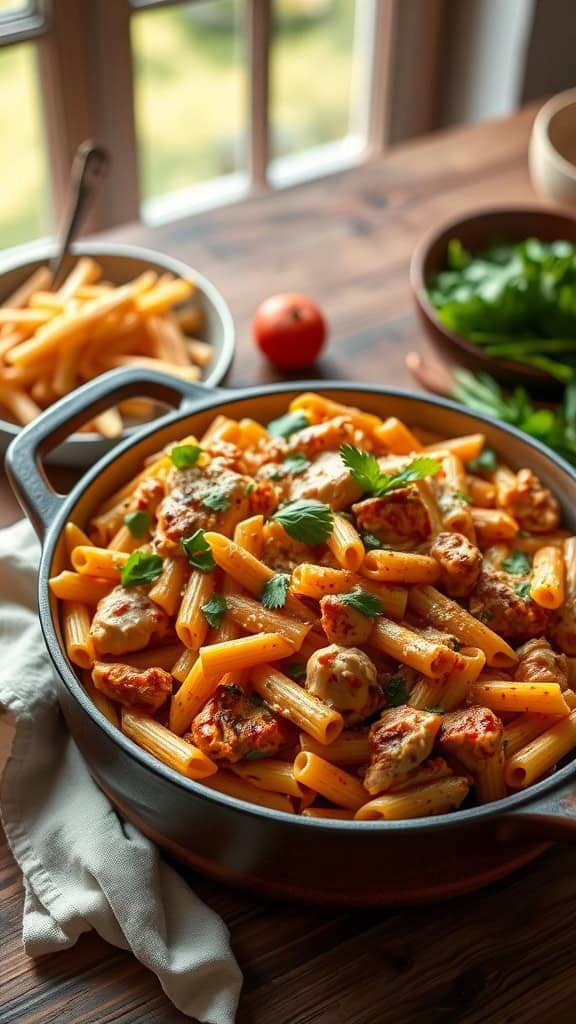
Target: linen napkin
(83,867)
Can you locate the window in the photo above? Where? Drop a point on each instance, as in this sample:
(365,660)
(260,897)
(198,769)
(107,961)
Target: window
(199,102)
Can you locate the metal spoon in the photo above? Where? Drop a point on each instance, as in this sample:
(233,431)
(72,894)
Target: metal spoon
(89,169)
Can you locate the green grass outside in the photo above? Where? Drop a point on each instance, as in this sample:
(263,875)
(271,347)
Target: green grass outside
(190,92)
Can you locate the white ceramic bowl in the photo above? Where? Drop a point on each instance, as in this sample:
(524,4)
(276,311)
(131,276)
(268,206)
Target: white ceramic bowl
(552,152)
(121,263)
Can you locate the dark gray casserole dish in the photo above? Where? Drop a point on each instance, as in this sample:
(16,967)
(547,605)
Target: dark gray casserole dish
(340,862)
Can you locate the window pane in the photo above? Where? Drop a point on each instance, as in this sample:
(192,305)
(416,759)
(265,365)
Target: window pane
(312,68)
(24,188)
(190,93)
(11,7)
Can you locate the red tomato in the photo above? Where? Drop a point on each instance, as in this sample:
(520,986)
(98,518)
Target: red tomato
(290,330)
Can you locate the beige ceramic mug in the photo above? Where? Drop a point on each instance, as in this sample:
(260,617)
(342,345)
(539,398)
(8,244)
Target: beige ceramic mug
(552,153)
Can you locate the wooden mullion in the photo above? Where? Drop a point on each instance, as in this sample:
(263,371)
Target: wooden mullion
(258,33)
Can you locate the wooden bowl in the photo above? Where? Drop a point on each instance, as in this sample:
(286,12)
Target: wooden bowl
(476,231)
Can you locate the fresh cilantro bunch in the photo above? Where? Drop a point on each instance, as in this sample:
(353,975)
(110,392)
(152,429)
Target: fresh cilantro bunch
(554,427)
(365,470)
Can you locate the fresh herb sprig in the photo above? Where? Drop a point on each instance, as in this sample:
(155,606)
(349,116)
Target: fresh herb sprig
(306,520)
(365,471)
(553,427)
(138,523)
(275,591)
(141,568)
(214,610)
(198,552)
(367,604)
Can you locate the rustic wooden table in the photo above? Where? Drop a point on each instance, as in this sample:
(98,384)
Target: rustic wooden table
(504,955)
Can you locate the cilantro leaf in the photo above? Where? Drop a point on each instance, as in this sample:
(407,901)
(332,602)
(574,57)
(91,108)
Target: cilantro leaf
(296,670)
(256,755)
(288,424)
(396,692)
(138,523)
(307,520)
(366,472)
(275,591)
(249,488)
(517,563)
(141,568)
(184,455)
(214,610)
(523,591)
(371,542)
(216,501)
(486,460)
(363,602)
(435,710)
(296,462)
(198,551)
(460,496)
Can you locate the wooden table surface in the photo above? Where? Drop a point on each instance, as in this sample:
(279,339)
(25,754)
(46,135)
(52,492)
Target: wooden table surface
(504,955)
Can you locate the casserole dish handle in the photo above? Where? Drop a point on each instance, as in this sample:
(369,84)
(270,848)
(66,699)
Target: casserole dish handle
(35,494)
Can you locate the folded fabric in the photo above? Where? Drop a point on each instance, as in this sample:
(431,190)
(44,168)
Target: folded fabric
(83,866)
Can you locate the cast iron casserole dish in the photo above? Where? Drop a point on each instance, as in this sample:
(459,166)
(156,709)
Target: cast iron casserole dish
(346,862)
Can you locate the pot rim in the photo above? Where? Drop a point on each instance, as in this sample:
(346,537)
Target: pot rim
(218,398)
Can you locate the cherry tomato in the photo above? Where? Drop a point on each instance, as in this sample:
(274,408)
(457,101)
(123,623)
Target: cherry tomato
(289,330)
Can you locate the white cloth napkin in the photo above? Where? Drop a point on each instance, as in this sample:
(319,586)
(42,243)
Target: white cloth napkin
(83,867)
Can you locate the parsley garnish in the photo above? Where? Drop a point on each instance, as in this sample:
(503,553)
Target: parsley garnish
(396,692)
(288,424)
(366,471)
(296,671)
(141,568)
(296,462)
(517,563)
(435,710)
(214,610)
(371,542)
(185,455)
(463,497)
(486,460)
(485,616)
(216,501)
(275,591)
(249,488)
(198,551)
(367,604)
(307,520)
(523,591)
(256,755)
(138,523)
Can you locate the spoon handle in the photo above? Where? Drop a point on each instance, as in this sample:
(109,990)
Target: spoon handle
(89,169)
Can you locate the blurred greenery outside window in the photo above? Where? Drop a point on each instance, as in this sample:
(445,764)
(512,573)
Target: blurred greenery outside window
(191,86)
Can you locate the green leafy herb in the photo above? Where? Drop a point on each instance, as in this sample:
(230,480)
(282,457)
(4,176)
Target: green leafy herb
(485,616)
(463,497)
(523,591)
(214,610)
(216,501)
(288,424)
(138,523)
(435,710)
(296,463)
(363,602)
(366,472)
(256,755)
(486,460)
(141,568)
(371,542)
(396,692)
(553,427)
(184,455)
(249,488)
(198,552)
(514,300)
(275,591)
(297,671)
(307,520)
(517,563)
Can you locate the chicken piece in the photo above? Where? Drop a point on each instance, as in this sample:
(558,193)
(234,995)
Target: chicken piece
(186,507)
(460,563)
(503,603)
(539,663)
(437,636)
(265,497)
(229,455)
(281,552)
(323,437)
(470,735)
(234,724)
(343,624)
(328,480)
(530,503)
(399,519)
(133,687)
(344,678)
(400,740)
(127,620)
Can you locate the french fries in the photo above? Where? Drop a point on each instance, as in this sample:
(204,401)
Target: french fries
(51,342)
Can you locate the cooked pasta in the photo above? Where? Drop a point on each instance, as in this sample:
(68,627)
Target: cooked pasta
(322,611)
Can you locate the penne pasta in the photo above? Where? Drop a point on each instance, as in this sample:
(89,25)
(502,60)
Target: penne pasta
(420,802)
(542,698)
(446,614)
(547,583)
(168,748)
(542,753)
(400,567)
(331,782)
(345,544)
(291,701)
